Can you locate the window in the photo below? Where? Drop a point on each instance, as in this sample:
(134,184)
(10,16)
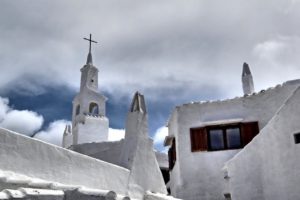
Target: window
(222,137)
(226,137)
(233,138)
(172,155)
(77,109)
(216,139)
(94,109)
(297,138)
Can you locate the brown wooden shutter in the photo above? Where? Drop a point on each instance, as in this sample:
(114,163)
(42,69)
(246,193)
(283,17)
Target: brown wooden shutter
(172,155)
(198,139)
(248,131)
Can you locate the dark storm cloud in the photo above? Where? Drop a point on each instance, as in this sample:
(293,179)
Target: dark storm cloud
(144,43)
(52,103)
(55,102)
(158,108)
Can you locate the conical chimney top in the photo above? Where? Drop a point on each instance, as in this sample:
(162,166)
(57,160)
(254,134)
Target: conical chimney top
(138,103)
(246,70)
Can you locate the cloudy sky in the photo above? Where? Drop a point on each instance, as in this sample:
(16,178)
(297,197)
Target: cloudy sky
(171,51)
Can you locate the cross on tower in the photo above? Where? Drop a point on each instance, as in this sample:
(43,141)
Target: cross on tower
(90,40)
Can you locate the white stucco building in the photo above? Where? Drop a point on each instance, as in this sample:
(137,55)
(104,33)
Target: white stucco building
(241,148)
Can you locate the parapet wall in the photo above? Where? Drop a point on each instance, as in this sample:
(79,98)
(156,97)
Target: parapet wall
(106,151)
(25,155)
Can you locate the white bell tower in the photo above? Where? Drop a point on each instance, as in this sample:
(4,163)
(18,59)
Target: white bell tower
(89,123)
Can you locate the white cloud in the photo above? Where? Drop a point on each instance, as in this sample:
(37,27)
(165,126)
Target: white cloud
(159,138)
(22,121)
(270,49)
(3,107)
(54,133)
(115,134)
(276,55)
(160,135)
(280,50)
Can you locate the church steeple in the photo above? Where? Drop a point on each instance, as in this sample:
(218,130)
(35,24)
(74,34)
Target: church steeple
(89,123)
(89,60)
(89,73)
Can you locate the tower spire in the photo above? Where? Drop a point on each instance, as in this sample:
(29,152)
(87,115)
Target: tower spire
(89,58)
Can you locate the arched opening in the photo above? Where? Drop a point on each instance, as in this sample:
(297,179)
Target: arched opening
(94,109)
(77,109)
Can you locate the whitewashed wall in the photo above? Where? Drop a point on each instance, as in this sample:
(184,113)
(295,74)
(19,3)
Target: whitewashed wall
(94,129)
(106,151)
(198,175)
(269,167)
(35,158)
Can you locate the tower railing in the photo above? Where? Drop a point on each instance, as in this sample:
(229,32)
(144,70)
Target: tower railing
(93,115)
